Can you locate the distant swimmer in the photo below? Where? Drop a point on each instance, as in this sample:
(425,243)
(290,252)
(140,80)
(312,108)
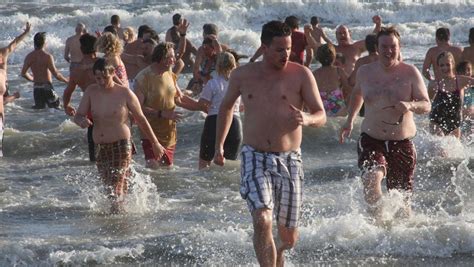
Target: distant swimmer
(352,50)
(42,66)
(391,91)
(274,92)
(82,76)
(4,53)
(448,95)
(110,105)
(173,35)
(72,49)
(443,37)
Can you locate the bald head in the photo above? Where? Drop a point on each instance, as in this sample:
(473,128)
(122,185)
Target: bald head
(343,35)
(80,28)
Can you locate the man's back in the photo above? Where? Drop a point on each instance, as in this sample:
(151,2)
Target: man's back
(74,47)
(40,61)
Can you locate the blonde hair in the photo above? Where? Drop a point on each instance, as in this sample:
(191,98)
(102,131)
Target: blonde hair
(225,63)
(109,44)
(128,34)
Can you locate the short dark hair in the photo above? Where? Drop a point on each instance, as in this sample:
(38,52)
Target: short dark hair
(292,21)
(387,31)
(176,19)
(115,19)
(274,28)
(87,43)
(462,67)
(326,54)
(210,28)
(314,20)
(160,51)
(103,66)
(370,42)
(111,29)
(443,34)
(39,39)
(142,30)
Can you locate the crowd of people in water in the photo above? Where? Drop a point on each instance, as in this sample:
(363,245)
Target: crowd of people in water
(134,82)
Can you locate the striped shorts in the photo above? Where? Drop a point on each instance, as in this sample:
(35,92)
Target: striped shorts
(273,181)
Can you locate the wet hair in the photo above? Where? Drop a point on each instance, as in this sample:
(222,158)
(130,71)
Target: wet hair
(160,51)
(225,63)
(444,54)
(326,54)
(370,43)
(314,20)
(387,31)
(142,30)
(274,28)
(292,22)
(471,35)
(87,43)
(115,20)
(128,34)
(109,44)
(110,29)
(443,34)
(210,28)
(103,67)
(176,19)
(461,68)
(39,40)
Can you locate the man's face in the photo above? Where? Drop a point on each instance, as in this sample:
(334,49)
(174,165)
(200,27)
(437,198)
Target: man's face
(278,53)
(103,78)
(147,49)
(343,35)
(169,60)
(389,49)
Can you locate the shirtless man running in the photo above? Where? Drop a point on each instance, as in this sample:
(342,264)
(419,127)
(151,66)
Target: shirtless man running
(4,53)
(273,92)
(42,66)
(392,91)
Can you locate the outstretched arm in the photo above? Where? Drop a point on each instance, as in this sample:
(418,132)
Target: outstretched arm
(12,46)
(257,54)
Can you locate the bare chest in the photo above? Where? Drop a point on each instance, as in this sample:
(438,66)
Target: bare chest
(386,89)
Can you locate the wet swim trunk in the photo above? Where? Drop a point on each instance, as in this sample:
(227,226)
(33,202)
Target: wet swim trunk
(231,144)
(273,180)
(113,162)
(398,158)
(167,158)
(45,95)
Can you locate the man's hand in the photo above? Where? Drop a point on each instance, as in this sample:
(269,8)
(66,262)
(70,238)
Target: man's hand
(183,27)
(345,132)
(219,157)
(158,150)
(297,117)
(70,111)
(377,19)
(85,123)
(27,27)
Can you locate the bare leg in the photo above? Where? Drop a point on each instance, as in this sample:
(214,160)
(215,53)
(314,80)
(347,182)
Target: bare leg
(373,190)
(287,240)
(263,238)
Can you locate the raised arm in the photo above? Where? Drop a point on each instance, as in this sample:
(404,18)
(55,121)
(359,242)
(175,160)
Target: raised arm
(182,29)
(13,44)
(257,54)
(377,20)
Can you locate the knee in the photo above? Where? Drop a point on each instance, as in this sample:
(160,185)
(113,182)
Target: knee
(262,220)
(289,241)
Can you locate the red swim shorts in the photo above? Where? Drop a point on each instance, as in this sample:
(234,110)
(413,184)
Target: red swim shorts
(167,158)
(398,158)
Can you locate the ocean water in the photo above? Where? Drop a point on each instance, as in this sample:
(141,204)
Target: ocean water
(53,212)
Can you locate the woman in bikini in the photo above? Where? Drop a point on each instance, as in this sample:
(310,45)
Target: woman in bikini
(448,91)
(111,46)
(332,82)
